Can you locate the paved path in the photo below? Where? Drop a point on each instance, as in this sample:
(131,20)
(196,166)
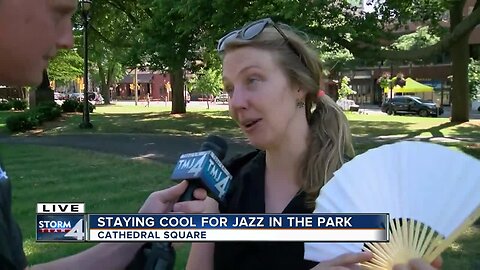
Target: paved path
(375,109)
(164,148)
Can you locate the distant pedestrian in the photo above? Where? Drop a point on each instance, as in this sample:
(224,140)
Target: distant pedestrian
(148,100)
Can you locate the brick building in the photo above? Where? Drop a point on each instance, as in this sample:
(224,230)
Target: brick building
(155,83)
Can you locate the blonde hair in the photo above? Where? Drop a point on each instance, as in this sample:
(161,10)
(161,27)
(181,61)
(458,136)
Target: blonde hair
(329,139)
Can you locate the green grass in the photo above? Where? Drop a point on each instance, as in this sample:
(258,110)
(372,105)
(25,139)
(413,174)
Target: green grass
(381,126)
(153,120)
(199,121)
(106,183)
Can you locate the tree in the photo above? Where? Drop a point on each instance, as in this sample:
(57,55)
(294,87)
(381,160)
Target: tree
(421,38)
(207,82)
(66,66)
(113,26)
(345,89)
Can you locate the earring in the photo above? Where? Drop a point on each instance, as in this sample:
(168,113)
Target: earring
(300,103)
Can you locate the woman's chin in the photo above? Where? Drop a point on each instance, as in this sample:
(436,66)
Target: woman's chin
(258,143)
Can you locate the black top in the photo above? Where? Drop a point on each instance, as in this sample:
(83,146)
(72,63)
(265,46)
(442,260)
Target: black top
(11,245)
(247,195)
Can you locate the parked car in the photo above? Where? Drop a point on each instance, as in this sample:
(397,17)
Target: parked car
(59,96)
(95,98)
(77,96)
(411,105)
(201,97)
(348,105)
(222,98)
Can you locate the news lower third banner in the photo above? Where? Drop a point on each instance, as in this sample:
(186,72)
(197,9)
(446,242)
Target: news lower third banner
(233,227)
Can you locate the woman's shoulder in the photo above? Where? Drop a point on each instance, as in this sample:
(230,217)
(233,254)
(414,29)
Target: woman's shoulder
(239,161)
(241,167)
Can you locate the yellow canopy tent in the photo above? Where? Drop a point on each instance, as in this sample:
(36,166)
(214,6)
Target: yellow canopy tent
(411,86)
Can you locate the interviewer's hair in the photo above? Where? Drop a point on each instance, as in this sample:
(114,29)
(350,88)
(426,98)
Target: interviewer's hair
(329,139)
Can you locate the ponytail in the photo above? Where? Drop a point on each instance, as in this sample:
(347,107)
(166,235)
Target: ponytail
(330,144)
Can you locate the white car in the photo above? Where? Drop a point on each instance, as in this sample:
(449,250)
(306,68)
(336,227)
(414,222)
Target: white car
(222,98)
(347,104)
(476,105)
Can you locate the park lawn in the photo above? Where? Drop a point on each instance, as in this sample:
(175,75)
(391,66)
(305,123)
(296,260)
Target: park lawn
(152,120)
(406,127)
(199,121)
(106,183)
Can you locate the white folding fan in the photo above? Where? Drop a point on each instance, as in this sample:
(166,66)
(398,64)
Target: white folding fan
(431,192)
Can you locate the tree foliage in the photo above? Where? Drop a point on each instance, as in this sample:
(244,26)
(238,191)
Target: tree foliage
(421,38)
(345,89)
(474,78)
(66,66)
(208,82)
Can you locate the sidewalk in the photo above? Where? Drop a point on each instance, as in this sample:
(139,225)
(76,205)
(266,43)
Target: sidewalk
(375,109)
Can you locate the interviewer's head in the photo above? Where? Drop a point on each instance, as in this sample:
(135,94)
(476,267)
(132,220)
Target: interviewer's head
(273,79)
(31,34)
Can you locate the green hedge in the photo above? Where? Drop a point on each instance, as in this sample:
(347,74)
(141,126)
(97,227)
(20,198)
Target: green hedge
(5,105)
(91,107)
(19,104)
(21,122)
(70,105)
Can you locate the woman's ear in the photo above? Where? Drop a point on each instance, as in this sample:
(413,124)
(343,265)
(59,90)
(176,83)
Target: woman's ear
(300,94)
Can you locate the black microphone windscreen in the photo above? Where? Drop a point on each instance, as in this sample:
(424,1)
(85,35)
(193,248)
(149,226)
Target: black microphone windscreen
(215,144)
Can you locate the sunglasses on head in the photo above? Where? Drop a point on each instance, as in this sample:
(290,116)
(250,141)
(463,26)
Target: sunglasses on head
(252,30)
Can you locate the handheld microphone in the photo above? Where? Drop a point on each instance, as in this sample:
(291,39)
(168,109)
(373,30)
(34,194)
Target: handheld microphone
(204,169)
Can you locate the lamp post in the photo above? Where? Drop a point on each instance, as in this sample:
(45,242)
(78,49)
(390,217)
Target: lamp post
(391,80)
(85,10)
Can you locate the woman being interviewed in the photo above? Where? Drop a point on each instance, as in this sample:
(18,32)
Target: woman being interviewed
(272,78)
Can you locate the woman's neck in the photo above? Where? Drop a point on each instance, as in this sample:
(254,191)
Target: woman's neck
(282,178)
(284,160)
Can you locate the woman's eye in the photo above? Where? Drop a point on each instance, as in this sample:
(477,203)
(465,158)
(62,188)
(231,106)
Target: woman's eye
(228,90)
(251,80)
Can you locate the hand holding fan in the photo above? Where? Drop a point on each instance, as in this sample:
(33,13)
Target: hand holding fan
(431,192)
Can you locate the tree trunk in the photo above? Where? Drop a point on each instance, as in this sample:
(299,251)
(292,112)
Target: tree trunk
(43,93)
(460,54)
(178,99)
(106,90)
(104,83)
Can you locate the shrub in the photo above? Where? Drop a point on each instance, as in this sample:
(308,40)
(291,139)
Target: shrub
(91,107)
(70,105)
(19,122)
(47,112)
(5,105)
(19,104)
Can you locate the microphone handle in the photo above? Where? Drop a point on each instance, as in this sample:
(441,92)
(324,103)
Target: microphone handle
(166,257)
(188,194)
